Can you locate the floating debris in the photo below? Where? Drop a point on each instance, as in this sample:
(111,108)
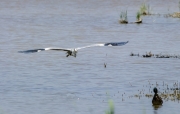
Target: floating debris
(132,54)
(105,64)
(174,15)
(149,54)
(123,21)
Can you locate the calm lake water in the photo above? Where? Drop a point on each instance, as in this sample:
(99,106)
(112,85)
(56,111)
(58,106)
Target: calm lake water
(50,83)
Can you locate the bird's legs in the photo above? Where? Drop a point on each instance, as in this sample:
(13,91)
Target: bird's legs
(69,53)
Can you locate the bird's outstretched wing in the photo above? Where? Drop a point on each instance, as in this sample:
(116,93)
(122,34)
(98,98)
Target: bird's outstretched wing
(89,46)
(74,49)
(116,43)
(104,44)
(45,49)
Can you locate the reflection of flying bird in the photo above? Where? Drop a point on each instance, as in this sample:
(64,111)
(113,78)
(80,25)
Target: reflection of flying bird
(73,51)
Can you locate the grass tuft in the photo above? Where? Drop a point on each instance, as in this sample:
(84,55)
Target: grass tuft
(138,16)
(123,17)
(145,9)
(111,108)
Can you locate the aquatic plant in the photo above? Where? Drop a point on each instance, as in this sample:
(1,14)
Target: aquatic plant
(160,55)
(123,17)
(174,15)
(138,16)
(111,108)
(167,93)
(148,9)
(145,9)
(178,96)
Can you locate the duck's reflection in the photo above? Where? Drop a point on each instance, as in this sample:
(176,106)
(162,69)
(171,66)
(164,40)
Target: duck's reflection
(156,107)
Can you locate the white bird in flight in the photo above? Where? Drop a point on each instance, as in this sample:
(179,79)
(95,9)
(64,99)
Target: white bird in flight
(73,51)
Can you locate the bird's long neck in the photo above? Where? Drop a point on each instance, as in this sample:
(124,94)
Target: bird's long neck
(74,51)
(155,94)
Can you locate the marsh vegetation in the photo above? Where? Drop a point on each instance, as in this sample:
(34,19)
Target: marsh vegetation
(138,17)
(123,17)
(175,14)
(150,54)
(111,108)
(166,91)
(145,9)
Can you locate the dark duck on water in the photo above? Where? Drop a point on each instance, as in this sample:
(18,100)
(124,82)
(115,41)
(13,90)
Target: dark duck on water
(156,99)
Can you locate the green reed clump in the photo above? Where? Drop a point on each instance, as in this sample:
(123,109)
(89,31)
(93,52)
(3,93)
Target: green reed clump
(145,9)
(111,108)
(123,17)
(138,16)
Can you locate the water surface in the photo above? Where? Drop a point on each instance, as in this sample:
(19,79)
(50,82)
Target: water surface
(50,83)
